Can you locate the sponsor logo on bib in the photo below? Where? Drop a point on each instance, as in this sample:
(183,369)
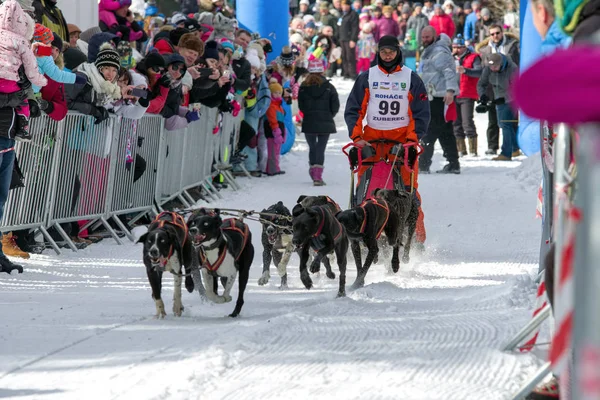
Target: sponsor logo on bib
(395,86)
(384,85)
(375,85)
(403,85)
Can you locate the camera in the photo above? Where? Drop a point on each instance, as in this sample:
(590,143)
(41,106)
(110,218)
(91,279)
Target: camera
(482,107)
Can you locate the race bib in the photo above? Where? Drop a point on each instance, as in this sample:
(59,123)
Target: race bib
(388,100)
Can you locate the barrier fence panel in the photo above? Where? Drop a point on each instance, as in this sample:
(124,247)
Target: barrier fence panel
(83,172)
(26,207)
(174,145)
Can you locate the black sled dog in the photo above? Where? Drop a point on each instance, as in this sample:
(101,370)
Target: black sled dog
(316,228)
(404,207)
(277,242)
(304,202)
(365,223)
(225,251)
(167,248)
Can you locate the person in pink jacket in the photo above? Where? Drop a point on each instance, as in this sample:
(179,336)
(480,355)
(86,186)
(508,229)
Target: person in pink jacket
(113,17)
(442,22)
(386,26)
(16,30)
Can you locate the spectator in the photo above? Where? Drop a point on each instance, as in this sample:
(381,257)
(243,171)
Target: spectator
(293,4)
(511,18)
(74,35)
(115,17)
(459,20)
(167,43)
(367,48)
(470,33)
(189,7)
(484,24)
(304,9)
(98,40)
(386,26)
(310,30)
(152,67)
(438,71)
(508,45)
(15,52)
(417,22)
(319,102)
(73,58)
(500,71)
(348,36)
(274,129)
(48,14)
(442,22)
(130,106)
(403,21)
(469,70)
(177,116)
(428,9)
(324,18)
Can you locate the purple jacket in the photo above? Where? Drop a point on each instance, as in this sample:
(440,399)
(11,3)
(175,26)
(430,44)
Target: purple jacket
(386,26)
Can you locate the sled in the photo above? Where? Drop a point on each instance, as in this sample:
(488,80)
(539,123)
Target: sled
(382,171)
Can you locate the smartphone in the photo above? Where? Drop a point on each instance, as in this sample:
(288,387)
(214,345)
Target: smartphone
(205,72)
(44,51)
(137,92)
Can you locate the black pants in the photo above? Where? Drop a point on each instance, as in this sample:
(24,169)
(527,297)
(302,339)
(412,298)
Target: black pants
(438,129)
(348,61)
(493,130)
(317,143)
(464,126)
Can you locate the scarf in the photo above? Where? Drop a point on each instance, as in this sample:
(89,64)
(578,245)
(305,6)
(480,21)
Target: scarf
(498,48)
(568,13)
(106,92)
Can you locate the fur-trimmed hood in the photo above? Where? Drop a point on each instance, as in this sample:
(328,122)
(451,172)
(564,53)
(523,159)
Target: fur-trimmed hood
(486,41)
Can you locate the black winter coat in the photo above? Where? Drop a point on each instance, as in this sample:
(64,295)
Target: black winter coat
(173,102)
(243,74)
(349,29)
(319,104)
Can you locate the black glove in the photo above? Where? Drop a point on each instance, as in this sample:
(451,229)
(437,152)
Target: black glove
(226,107)
(12,100)
(34,109)
(140,141)
(43,104)
(484,99)
(412,156)
(165,81)
(500,101)
(101,114)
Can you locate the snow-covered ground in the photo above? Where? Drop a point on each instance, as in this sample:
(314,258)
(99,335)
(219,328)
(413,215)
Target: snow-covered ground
(81,325)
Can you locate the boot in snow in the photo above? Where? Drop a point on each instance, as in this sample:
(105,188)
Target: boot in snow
(318,174)
(11,248)
(450,168)
(473,146)
(311,172)
(7,266)
(461,146)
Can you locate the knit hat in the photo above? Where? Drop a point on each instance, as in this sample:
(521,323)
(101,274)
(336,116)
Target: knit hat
(154,59)
(42,34)
(467,6)
(315,66)
(275,87)
(406,9)
(57,42)
(485,12)
(176,34)
(389,42)
(177,18)
(192,42)
(192,25)
(175,59)
(305,2)
(211,50)
(286,57)
(296,38)
(387,9)
(253,59)
(324,5)
(458,41)
(73,28)
(73,58)
(417,4)
(310,24)
(107,57)
(227,45)
(364,15)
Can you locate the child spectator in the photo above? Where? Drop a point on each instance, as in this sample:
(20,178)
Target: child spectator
(367,48)
(274,128)
(16,29)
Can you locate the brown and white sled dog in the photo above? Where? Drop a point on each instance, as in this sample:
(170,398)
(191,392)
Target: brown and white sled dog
(277,242)
(225,251)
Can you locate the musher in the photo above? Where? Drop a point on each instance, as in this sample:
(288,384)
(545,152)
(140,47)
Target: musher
(390,101)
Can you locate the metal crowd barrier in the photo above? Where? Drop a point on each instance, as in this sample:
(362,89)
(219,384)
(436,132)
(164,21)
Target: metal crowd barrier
(77,171)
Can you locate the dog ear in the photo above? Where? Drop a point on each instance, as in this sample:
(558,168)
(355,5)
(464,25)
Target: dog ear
(312,212)
(302,197)
(298,209)
(142,238)
(280,203)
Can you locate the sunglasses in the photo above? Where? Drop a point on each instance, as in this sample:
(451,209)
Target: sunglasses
(495,33)
(177,67)
(157,69)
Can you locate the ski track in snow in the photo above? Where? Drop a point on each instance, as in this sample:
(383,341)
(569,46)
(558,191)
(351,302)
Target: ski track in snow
(81,325)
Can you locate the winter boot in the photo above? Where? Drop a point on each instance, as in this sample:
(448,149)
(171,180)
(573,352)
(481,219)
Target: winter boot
(311,172)
(450,168)
(22,133)
(473,146)
(7,266)
(10,247)
(318,175)
(501,157)
(517,153)
(491,152)
(461,146)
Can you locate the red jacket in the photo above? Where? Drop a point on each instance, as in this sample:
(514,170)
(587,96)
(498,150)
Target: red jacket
(468,84)
(54,93)
(443,24)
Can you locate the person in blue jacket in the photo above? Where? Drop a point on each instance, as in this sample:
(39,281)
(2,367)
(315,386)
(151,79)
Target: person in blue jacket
(470,33)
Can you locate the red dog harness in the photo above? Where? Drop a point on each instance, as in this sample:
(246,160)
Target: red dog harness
(381,205)
(322,223)
(228,227)
(175,220)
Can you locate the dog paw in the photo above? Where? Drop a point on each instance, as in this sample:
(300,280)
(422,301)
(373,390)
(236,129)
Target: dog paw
(227,298)
(341,294)
(306,281)
(357,285)
(178,309)
(264,279)
(395,267)
(315,267)
(330,275)
(233,315)
(283,287)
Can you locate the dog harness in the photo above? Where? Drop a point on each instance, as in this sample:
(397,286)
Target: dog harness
(330,200)
(176,220)
(322,224)
(378,203)
(228,228)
